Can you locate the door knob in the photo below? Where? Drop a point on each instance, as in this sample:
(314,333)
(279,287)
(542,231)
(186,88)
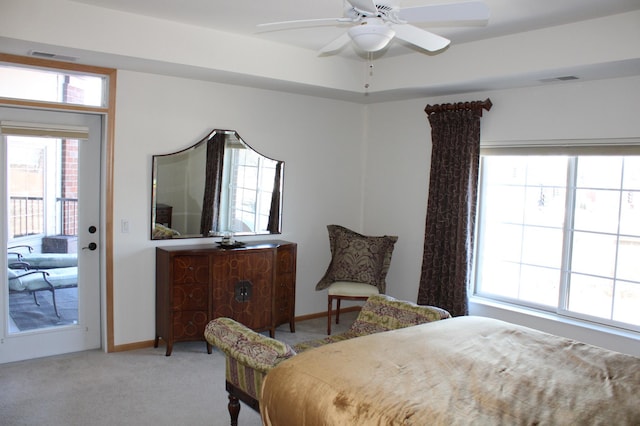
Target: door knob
(91,246)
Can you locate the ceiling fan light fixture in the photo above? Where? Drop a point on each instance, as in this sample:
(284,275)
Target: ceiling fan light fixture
(371,37)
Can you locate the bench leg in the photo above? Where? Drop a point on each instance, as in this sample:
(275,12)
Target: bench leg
(234,409)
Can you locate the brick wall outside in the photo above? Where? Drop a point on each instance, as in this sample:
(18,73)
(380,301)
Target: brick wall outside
(69,190)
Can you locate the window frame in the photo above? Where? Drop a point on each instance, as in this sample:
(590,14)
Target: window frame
(53,93)
(614,147)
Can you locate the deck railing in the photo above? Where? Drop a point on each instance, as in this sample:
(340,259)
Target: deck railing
(26,216)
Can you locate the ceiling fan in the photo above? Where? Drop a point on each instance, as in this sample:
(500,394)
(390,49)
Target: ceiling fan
(377,22)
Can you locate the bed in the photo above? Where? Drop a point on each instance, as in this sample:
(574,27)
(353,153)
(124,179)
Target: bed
(460,371)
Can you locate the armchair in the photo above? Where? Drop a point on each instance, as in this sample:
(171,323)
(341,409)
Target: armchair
(35,280)
(18,254)
(358,267)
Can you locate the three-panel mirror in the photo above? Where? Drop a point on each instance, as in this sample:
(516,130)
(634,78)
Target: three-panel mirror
(218,186)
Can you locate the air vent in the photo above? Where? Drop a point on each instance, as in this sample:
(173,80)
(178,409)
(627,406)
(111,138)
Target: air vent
(563,78)
(47,55)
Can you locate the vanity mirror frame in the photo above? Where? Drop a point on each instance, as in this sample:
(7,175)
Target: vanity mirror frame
(241,187)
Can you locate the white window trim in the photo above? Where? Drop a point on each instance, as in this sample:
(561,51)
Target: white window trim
(613,338)
(557,146)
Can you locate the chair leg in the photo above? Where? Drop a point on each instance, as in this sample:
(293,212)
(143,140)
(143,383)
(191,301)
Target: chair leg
(338,311)
(329,315)
(55,307)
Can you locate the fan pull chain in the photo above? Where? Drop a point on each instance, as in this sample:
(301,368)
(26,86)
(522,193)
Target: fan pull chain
(369,71)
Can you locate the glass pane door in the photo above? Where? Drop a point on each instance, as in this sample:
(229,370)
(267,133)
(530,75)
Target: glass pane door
(50,302)
(42,232)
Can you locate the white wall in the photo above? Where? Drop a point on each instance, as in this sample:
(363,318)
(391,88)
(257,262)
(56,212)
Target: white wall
(326,175)
(320,141)
(398,158)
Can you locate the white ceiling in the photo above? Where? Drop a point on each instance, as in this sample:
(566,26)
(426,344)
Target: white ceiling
(242,16)
(156,36)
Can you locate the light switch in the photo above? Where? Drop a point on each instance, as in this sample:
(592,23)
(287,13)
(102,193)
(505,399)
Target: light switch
(124,226)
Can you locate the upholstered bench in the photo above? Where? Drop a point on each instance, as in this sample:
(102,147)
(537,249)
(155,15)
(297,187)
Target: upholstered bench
(250,355)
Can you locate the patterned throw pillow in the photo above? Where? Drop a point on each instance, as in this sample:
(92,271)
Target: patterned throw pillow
(357,258)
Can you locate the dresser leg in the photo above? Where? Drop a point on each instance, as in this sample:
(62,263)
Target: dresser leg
(169,348)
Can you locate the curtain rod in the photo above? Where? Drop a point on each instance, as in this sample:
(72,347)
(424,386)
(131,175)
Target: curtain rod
(486,104)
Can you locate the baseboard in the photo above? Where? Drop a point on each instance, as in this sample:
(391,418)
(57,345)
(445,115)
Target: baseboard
(324,314)
(150,343)
(132,346)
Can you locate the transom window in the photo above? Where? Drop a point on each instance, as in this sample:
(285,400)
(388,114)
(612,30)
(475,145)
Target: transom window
(561,232)
(56,86)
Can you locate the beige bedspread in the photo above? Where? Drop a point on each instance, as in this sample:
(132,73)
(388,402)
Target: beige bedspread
(460,371)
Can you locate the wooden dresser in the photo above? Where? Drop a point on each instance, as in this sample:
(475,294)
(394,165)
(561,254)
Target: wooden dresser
(164,214)
(254,284)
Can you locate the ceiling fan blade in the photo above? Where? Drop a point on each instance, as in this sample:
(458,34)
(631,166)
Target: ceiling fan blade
(336,44)
(364,5)
(283,25)
(450,12)
(421,38)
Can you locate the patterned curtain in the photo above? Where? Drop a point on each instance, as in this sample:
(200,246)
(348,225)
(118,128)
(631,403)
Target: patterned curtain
(274,211)
(213,184)
(451,209)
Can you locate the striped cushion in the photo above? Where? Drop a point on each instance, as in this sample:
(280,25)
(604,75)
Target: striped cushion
(243,377)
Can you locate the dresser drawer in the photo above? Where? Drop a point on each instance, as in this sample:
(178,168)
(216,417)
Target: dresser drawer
(191,270)
(189,325)
(190,297)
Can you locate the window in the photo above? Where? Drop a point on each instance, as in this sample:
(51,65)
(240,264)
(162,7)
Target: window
(42,183)
(27,164)
(560,231)
(48,85)
(250,182)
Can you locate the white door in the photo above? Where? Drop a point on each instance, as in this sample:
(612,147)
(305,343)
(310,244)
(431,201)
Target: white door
(50,197)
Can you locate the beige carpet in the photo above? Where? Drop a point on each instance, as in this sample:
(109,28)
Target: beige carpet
(141,387)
